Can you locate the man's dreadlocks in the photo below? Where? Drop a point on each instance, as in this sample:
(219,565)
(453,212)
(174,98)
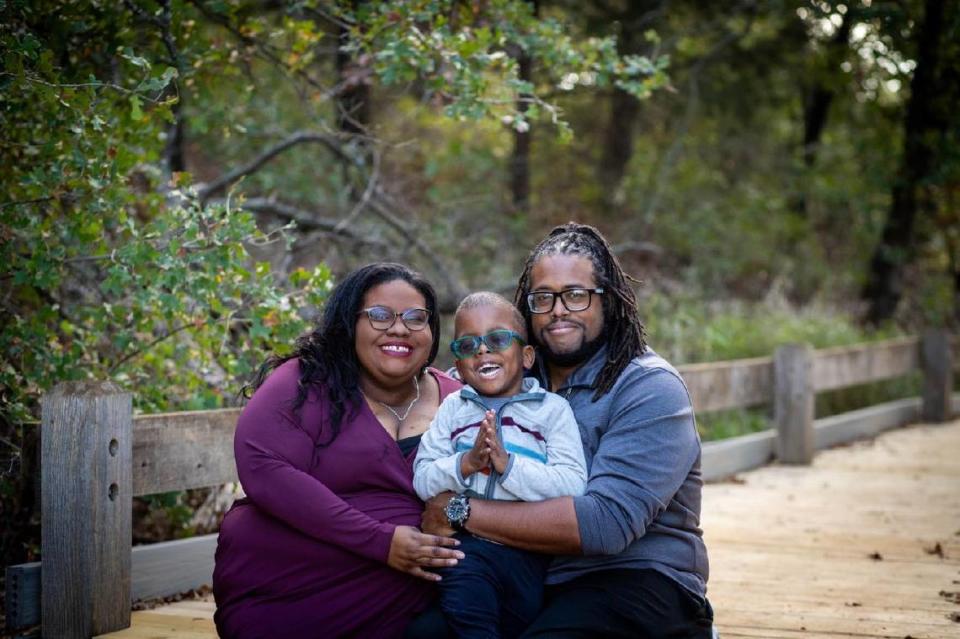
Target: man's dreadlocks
(622,326)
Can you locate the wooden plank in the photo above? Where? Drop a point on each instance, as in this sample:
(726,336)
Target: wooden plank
(851,365)
(730,456)
(86,509)
(158,570)
(732,384)
(197,608)
(22,596)
(172,567)
(935,357)
(793,403)
(151,625)
(176,451)
(867,422)
(791,547)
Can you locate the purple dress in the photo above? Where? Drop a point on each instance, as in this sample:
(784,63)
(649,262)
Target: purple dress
(304,555)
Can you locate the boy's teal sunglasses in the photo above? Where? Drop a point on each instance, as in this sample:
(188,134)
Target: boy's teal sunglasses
(498,340)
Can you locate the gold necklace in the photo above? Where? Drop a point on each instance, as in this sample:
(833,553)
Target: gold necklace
(406,413)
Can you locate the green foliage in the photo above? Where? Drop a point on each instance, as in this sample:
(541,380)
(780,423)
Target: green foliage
(116,268)
(111,280)
(466,54)
(689,330)
(732,423)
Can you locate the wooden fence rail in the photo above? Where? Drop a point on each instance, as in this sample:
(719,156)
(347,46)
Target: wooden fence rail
(95,456)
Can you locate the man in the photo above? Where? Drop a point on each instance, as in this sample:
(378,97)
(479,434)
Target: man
(632,560)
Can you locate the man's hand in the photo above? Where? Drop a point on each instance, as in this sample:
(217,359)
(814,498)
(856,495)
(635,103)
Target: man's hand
(411,551)
(434,519)
(478,457)
(498,456)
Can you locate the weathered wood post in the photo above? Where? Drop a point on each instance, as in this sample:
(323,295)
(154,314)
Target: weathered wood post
(86,500)
(793,403)
(936,361)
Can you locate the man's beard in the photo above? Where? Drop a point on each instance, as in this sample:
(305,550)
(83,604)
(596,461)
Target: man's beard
(584,352)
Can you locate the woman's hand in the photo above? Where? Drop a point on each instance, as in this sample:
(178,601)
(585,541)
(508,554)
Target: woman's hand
(412,550)
(478,457)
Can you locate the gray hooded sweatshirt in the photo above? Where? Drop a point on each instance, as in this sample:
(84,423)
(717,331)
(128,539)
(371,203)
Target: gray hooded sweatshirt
(641,508)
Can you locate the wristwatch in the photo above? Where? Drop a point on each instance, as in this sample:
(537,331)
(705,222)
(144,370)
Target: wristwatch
(458,512)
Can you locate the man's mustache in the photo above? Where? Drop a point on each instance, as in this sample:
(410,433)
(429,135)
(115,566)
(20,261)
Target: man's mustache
(563,321)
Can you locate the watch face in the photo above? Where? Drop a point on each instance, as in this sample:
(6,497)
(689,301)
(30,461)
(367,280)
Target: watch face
(457,510)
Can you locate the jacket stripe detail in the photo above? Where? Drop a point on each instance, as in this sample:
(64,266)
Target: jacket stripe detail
(510,448)
(526,452)
(456,432)
(508,421)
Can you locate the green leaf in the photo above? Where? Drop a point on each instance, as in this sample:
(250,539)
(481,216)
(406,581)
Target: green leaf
(135,112)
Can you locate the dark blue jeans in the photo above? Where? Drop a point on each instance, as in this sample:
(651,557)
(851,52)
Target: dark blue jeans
(495,591)
(622,604)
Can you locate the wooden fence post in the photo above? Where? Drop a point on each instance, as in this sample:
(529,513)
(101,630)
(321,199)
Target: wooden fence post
(86,501)
(937,363)
(793,403)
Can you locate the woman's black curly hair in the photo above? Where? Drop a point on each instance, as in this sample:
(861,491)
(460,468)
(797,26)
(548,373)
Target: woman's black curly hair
(625,335)
(328,354)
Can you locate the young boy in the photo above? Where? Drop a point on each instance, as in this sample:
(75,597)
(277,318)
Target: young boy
(500,437)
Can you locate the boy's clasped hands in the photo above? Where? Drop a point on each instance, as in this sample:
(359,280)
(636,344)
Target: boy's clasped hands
(487,450)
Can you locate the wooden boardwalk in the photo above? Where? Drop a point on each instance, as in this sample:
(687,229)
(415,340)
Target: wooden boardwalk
(865,543)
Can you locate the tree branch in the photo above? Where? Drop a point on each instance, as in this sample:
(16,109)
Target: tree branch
(381,205)
(266,51)
(146,348)
(306,220)
(205,192)
(365,198)
(646,249)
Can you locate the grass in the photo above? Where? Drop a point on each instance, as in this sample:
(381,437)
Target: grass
(725,424)
(687,331)
(691,330)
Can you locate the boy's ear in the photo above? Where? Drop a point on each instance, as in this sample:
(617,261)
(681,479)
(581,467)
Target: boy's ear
(529,356)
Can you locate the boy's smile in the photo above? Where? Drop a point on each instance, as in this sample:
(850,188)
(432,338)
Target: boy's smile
(492,374)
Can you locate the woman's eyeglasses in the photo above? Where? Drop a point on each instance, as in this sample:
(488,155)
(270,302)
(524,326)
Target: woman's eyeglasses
(574,299)
(496,341)
(382,318)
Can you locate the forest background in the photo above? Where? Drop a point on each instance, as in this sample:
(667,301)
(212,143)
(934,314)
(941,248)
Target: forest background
(184,180)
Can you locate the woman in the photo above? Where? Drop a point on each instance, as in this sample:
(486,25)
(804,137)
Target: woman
(326,544)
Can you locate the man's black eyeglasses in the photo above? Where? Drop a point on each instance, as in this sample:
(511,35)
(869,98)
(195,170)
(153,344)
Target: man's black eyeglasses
(496,341)
(574,299)
(382,318)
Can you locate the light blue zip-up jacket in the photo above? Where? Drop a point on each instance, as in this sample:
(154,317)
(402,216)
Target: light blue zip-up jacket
(538,431)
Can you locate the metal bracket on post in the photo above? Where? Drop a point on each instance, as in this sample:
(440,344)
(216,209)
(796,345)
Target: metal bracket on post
(936,359)
(86,499)
(794,402)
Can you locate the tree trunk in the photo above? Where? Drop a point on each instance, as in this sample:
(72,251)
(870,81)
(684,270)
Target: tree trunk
(522,140)
(353,103)
(173,152)
(520,161)
(927,120)
(817,102)
(618,142)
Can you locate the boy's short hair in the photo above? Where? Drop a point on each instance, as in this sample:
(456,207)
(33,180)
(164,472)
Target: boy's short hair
(489,298)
